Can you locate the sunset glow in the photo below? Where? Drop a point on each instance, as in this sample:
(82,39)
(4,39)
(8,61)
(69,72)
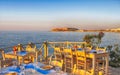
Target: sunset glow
(42,15)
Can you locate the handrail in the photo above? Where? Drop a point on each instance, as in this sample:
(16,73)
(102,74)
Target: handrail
(16,45)
(42,43)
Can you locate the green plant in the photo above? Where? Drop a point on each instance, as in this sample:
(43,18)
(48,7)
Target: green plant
(114,51)
(93,39)
(114,55)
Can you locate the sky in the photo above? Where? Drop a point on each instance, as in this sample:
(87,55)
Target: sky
(43,15)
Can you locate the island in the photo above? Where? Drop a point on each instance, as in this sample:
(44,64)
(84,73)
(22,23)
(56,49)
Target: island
(65,29)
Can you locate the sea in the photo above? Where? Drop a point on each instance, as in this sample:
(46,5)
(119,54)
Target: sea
(12,38)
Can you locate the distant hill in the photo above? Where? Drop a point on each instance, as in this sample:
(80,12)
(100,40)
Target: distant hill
(64,29)
(114,30)
(84,30)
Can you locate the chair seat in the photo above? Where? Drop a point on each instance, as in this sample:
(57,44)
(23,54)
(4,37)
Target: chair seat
(80,58)
(14,73)
(57,53)
(26,61)
(68,56)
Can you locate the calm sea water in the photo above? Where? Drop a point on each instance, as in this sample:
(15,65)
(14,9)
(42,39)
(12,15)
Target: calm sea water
(13,38)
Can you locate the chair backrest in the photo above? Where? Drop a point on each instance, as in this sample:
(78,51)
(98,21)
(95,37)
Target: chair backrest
(89,48)
(56,50)
(20,47)
(14,73)
(67,51)
(101,49)
(80,53)
(31,47)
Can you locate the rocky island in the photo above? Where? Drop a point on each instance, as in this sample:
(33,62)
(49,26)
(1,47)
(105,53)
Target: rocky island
(64,29)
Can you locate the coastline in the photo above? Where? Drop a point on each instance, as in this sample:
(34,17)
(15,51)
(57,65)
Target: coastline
(67,29)
(88,31)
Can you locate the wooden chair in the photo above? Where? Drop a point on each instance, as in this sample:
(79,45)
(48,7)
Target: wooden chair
(80,59)
(27,60)
(20,47)
(31,47)
(13,73)
(101,49)
(57,54)
(68,60)
(6,62)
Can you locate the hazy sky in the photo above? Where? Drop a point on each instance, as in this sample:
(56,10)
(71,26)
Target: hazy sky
(42,15)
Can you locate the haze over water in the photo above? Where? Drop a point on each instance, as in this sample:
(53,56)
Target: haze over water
(13,38)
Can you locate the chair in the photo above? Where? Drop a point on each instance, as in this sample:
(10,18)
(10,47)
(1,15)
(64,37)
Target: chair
(101,49)
(68,60)
(6,62)
(31,47)
(27,60)
(84,63)
(13,73)
(80,59)
(20,47)
(57,54)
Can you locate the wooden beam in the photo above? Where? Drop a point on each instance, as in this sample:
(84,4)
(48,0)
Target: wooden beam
(107,64)
(94,63)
